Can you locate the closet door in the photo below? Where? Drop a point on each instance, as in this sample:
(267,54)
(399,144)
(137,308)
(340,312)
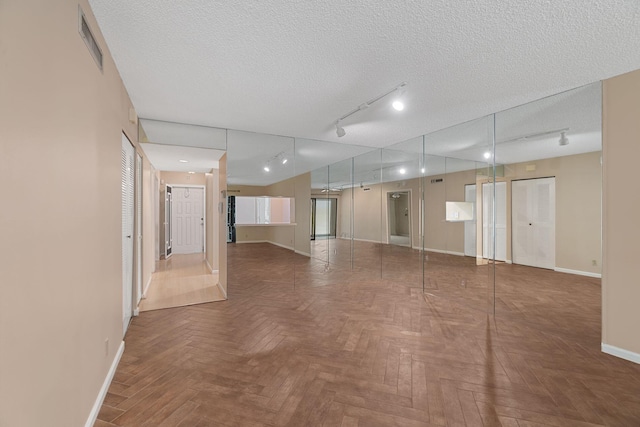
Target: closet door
(500,218)
(127,175)
(533,214)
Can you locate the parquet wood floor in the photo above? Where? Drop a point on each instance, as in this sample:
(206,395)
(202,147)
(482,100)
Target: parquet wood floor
(303,342)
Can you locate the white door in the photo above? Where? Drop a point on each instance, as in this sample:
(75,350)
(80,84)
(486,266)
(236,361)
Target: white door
(470,226)
(533,215)
(127,166)
(500,237)
(187,212)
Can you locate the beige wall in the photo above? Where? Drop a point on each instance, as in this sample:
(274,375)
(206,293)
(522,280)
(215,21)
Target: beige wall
(289,236)
(213,216)
(184,178)
(148,223)
(578,207)
(222,224)
(61,121)
(621,266)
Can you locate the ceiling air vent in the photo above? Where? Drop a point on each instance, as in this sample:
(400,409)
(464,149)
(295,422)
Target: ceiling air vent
(89,40)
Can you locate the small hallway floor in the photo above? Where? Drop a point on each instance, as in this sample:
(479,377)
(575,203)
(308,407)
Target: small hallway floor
(183,279)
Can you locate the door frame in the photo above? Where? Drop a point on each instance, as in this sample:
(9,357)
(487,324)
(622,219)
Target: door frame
(128,291)
(408,191)
(204,211)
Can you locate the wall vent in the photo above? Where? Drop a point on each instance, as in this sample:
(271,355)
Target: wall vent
(89,40)
(437,180)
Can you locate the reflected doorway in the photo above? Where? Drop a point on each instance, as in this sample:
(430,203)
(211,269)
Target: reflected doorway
(324,214)
(399,218)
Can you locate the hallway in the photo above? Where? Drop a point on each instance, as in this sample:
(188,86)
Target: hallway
(373,353)
(181,280)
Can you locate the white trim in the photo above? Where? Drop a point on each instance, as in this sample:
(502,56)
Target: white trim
(291,248)
(440,251)
(136,312)
(307,254)
(509,261)
(222,290)
(578,272)
(211,270)
(146,287)
(620,352)
(93,415)
(367,240)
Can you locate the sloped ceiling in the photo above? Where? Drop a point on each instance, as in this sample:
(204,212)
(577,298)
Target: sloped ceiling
(293,67)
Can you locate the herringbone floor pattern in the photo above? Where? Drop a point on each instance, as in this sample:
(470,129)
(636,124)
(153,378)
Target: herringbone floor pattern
(372,352)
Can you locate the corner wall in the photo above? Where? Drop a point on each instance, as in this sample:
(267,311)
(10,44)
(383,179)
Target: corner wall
(621,232)
(61,121)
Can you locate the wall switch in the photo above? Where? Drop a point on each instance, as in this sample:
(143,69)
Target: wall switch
(594,262)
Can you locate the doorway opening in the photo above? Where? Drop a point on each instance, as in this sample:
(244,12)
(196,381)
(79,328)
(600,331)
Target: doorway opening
(399,218)
(324,215)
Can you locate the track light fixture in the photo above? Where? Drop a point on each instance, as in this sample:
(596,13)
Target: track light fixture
(398,105)
(563,139)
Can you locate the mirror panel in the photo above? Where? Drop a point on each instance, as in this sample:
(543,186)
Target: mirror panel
(551,151)
(458,260)
(261,166)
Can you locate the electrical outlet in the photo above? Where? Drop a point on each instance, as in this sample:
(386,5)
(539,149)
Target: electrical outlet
(106,346)
(594,262)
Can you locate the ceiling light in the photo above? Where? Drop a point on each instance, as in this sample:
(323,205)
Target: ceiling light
(563,139)
(266,169)
(183,161)
(423,170)
(403,171)
(191,172)
(487,155)
(284,160)
(398,105)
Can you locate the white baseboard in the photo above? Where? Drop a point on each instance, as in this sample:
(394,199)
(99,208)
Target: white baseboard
(440,251)
(307,254)
(93,415)
(146,287)
(578,272)
(281,245)
(211,270)
(621,353)
(252,241)
(368,241)
(222,291)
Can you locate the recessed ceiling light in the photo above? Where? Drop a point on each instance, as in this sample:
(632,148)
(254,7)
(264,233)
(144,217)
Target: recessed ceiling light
(284,161)
(487,155)
(398,105)
(266,169)
(191,172)
(423,170)
(183,161)
(403,171)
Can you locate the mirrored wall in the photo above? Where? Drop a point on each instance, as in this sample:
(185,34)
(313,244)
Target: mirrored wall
(478,214)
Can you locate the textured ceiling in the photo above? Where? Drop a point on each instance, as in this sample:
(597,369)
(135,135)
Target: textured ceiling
(293,67)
